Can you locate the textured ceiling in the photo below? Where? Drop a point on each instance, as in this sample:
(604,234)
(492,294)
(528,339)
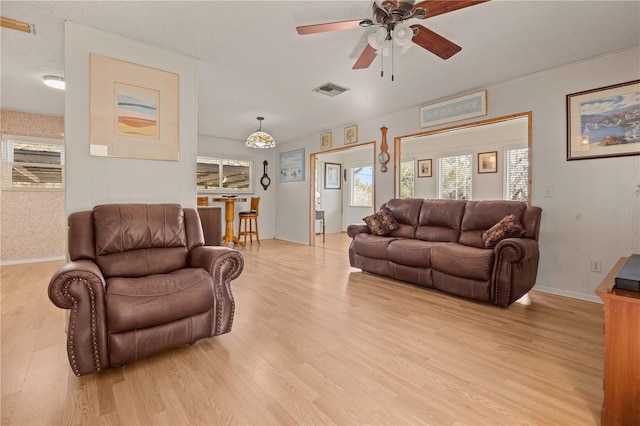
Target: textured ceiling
(253,63)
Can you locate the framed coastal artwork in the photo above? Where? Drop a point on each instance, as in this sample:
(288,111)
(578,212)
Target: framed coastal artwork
(456,109)
(292,166)
(133,109)
(604,122)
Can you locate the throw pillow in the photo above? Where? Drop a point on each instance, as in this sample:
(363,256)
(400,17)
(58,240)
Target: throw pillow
(382,222)
(508,227)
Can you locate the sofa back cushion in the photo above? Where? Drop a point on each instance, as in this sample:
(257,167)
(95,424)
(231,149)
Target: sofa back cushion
(406,212)
(479,216)
(134,240)
(440,220)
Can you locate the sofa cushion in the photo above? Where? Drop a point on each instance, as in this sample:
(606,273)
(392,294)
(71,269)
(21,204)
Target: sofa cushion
(406,212)
(462,261)
(381,222)
(479,216)
(410,252)
(372,246)
(508,227)
(135,303)
(440,220)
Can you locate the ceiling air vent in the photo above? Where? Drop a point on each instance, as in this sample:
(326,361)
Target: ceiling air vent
(330,89)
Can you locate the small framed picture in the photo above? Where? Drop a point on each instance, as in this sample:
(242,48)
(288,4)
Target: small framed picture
(332,175)
(351,134)
(325,140)
(424,168)
(488,162)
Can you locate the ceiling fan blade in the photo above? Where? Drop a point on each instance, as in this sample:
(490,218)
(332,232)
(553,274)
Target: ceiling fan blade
(329,26)
(434,43)
(366,58)
(438,7)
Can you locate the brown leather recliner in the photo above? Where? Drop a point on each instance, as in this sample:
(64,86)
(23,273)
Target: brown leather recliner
(140,281)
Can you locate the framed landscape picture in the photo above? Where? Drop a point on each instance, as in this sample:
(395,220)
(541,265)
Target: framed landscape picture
(488,162)
(424,168)
(604,122)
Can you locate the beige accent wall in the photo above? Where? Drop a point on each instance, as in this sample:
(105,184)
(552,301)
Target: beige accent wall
(32,223)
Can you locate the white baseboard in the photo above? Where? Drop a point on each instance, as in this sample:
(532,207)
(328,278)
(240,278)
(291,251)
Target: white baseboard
(571,294)
(23,261)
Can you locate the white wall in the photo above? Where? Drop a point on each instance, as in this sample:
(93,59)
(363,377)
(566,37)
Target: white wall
(592,214)
(94,180)
(497,137)
(216,147)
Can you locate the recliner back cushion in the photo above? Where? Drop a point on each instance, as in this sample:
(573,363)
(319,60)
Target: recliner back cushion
(440,220)
(482,215)
(134,240)
(406,212)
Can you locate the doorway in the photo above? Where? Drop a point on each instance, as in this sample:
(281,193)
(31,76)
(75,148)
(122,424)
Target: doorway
(341,191)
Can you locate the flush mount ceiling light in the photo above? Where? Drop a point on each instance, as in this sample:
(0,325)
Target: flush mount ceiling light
(54,81)
(260,139)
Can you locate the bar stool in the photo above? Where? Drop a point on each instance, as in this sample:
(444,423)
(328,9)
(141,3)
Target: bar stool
(250,217)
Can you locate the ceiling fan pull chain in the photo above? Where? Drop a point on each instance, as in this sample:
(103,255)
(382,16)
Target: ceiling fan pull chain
(392,61)
(382,64)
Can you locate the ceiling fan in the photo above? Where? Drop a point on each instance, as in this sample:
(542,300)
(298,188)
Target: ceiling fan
(390,17)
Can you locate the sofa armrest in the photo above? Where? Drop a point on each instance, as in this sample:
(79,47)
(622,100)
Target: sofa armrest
(515,269)
(80,287)
(224,264)
(353,230)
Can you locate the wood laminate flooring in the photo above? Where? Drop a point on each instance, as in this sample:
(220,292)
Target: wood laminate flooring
(317,342)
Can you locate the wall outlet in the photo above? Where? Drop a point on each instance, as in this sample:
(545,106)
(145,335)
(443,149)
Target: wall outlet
(596,265)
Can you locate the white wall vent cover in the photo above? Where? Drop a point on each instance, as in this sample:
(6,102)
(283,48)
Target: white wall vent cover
(330,89)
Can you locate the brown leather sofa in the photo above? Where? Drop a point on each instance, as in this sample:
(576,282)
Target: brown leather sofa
(439,245)
(141,280)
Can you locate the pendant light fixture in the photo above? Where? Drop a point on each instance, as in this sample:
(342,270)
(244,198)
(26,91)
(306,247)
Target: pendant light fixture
(260,139)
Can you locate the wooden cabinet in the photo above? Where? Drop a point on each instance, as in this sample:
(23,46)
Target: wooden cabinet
(211,219)
(621,405)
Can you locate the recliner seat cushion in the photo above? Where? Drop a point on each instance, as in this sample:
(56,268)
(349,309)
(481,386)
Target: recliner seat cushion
(135,303)
(410,252)
(372,246)
(462,261)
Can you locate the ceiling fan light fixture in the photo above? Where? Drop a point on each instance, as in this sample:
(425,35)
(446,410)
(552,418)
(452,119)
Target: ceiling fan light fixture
(376,38)
(402,34)
(54,81)
(260,139)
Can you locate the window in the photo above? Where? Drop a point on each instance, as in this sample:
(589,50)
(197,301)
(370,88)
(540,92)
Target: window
(407,175)
(516,174)
(455,177)
(362,186)
(224,175)
(35,164)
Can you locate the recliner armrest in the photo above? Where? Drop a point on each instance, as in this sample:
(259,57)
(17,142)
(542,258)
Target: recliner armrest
(80,287)
(80,270)
(353,230)
(212,257)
